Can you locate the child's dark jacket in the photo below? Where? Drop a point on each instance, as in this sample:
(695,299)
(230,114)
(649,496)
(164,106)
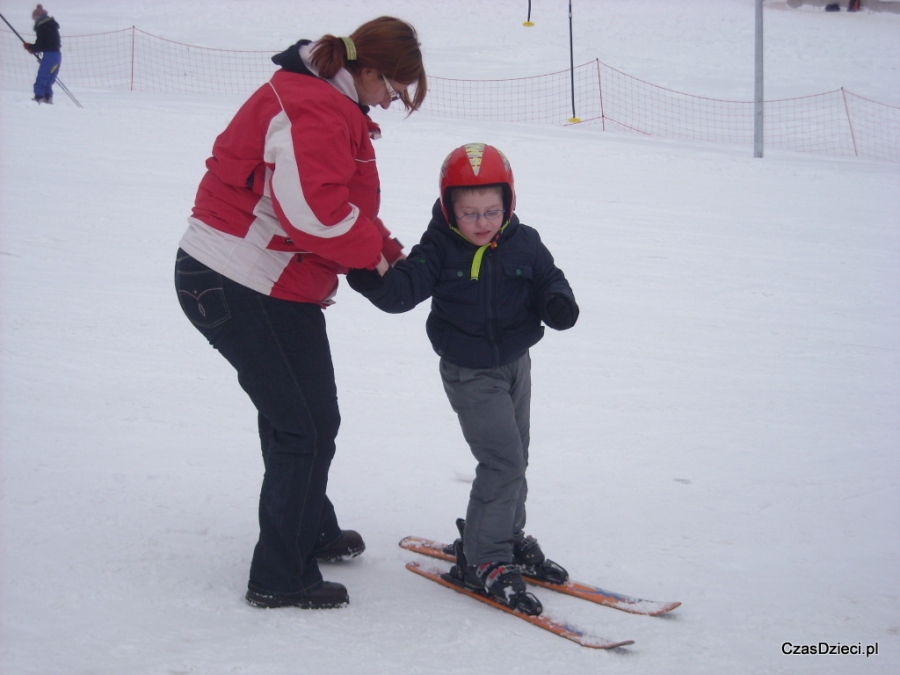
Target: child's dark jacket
(46,35)
(475,323)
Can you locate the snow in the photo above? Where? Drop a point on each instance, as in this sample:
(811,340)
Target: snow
(720,428)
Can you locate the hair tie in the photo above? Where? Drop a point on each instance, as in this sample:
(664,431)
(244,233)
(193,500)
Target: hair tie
(350,47)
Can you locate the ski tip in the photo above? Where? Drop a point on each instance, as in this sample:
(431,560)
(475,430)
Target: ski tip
(651,608)
(645,607)
(605,644)
(667,607)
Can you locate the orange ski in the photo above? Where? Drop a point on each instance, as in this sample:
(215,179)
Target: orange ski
(555,626)
(625,603)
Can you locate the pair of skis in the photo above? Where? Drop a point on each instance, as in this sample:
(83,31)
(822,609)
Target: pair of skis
(559,627)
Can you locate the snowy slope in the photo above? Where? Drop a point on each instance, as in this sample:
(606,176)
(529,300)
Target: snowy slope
(720,428)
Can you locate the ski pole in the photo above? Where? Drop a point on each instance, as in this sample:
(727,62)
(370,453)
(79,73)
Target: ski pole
(58,81)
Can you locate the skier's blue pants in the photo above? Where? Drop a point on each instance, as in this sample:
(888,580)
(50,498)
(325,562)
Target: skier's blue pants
(47,73)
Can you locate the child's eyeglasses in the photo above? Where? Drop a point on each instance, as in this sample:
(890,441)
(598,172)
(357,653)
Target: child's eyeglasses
(472,218)
(390,90)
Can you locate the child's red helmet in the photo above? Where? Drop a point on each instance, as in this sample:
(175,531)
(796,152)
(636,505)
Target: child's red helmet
(476,165)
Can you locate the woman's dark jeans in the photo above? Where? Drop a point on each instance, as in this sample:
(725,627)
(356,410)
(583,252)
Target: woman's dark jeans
(281,353)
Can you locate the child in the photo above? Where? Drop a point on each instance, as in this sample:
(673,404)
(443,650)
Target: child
(47,43)
(492,283)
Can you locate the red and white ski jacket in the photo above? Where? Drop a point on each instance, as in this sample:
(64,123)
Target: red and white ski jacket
(291,194)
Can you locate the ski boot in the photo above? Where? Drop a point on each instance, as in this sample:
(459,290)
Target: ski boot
(500,581)
(503,582)
(528,556)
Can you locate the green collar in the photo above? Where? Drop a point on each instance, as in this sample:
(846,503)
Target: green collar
(479,254)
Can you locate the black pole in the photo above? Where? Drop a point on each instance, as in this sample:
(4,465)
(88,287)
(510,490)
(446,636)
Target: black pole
(574,119)
(58,81)
(528,21)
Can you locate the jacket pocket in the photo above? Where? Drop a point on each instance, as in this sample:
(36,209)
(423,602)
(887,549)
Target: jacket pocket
(456,286)
(518,289)
(515,271)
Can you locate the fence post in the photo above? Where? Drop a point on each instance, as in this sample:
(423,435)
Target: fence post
(759,105)
(528,22)
(600,92)
(574,119)
(850,122)
(132,58)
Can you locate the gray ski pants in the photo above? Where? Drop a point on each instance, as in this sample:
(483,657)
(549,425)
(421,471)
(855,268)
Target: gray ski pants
(494,410)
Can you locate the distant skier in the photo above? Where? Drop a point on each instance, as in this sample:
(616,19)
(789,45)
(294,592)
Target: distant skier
(47,44)
(492,283)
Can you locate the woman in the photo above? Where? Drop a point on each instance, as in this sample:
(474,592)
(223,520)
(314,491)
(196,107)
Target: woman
(289,201)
